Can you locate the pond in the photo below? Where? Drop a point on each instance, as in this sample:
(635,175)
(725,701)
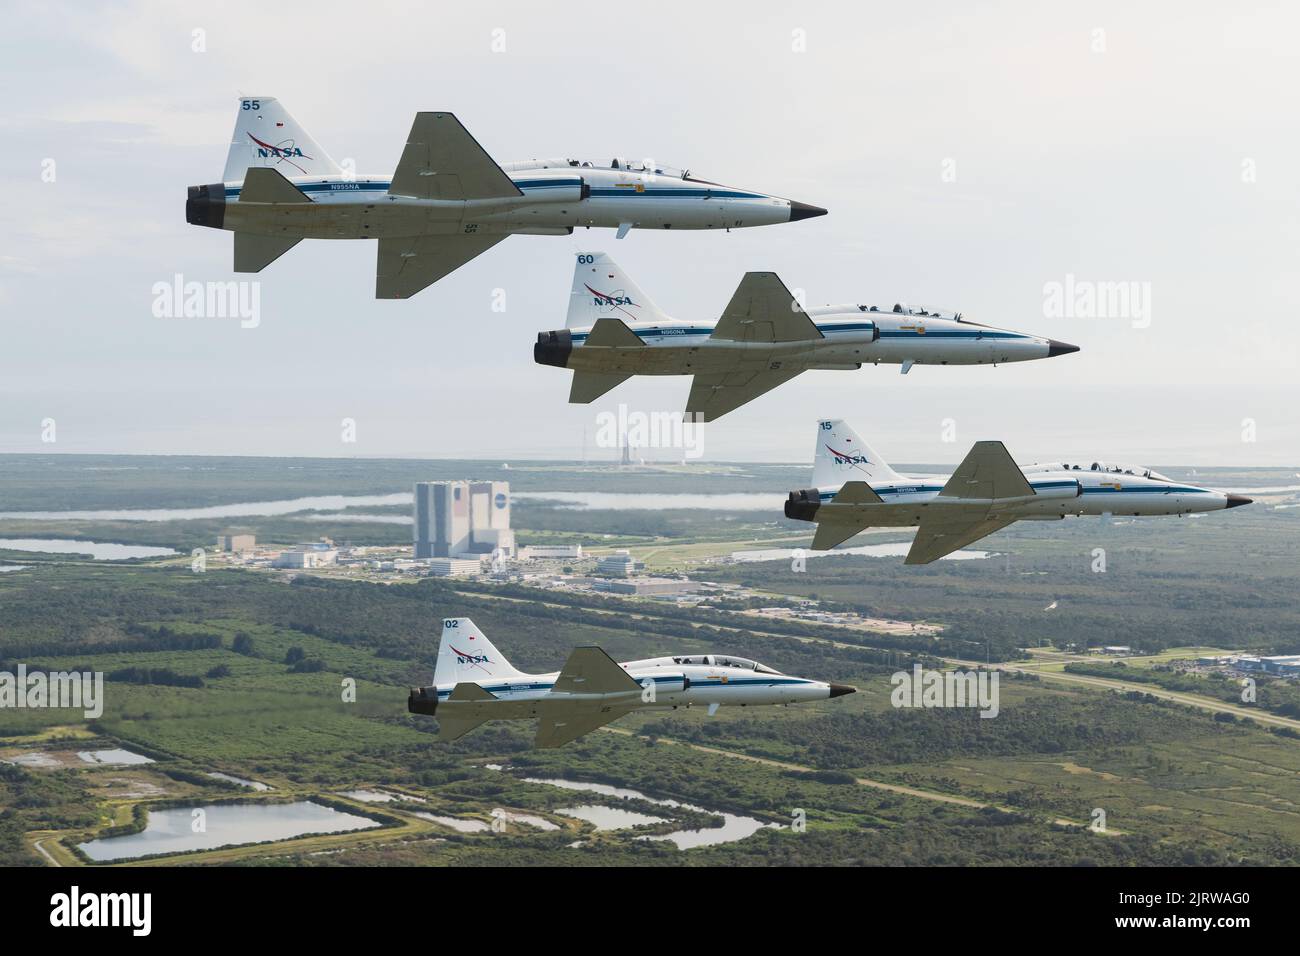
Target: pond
(231,824)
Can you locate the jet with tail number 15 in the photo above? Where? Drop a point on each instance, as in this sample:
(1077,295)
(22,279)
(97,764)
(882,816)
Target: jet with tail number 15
(448,200)
(764,338)
(473,683)
(856,489)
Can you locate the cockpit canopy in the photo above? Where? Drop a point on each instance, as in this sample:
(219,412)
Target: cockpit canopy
(1138,471)
(618,162)
(715,660)
(920,311)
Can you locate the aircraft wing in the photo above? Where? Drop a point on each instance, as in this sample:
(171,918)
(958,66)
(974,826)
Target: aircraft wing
(443,161)
(589,670)
(763,310)
(941,534)
(987,471)
(714,394)
(558,728)
(409,264)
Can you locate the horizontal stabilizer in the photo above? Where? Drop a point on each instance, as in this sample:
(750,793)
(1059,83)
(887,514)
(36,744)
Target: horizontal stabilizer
(714,394)
(443,161)
(612,333)
(255,253)
(857,493)
(831,533)
(407,265)
(453,728)
(468,706)
(468,691)
(589,670)
(987,471)
(940,535)
(589,386)
(263,184)
(557,729)
(763,310)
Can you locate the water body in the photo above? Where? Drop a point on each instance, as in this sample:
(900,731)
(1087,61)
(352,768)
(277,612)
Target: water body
(283,506)
(170,831)
(896,549)
(251,784)
(41,760)
(368,796)
(608,818)
(100,551)
(12,567)
(116,757)
(734,826)
(632,501)
(454,823)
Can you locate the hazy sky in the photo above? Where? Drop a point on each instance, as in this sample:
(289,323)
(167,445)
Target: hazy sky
(969,155)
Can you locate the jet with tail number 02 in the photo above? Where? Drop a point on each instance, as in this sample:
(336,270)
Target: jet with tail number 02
(474,683)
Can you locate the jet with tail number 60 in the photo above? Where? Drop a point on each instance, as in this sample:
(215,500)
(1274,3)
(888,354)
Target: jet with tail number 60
(763,339)
(473,683)
(856,489)
(447,202)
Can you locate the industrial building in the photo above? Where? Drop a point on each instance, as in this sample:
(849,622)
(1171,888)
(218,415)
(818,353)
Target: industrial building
(236,542)
(620,564)
(454,567)
(1283,665)
(463,519)
(552,552)
(306,556)
(641,587)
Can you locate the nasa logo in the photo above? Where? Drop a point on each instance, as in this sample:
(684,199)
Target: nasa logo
(286,151)
(606,299)
(463,657)
(500,500)
(848,458)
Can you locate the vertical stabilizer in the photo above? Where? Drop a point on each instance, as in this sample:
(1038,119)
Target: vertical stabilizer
(842,456)
(266,135)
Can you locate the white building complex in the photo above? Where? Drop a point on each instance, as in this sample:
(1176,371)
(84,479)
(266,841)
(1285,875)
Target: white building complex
(463,519)
(620,564)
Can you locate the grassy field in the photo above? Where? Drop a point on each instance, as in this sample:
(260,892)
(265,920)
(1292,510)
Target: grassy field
(854,780)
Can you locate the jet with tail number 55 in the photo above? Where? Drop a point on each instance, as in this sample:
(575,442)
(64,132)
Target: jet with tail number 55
(764,338)
(856,489)
(474,683)
(448,200)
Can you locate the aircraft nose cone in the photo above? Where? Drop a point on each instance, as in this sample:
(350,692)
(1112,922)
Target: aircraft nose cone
(801,210)
(839,690)
(1055,348)
(1235,500)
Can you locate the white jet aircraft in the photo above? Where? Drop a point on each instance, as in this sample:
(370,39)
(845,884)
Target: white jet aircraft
(447,202)
(474,683)
(856,489)
(763,339)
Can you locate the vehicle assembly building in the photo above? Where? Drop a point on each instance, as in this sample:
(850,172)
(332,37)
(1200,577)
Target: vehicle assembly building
(468,519)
